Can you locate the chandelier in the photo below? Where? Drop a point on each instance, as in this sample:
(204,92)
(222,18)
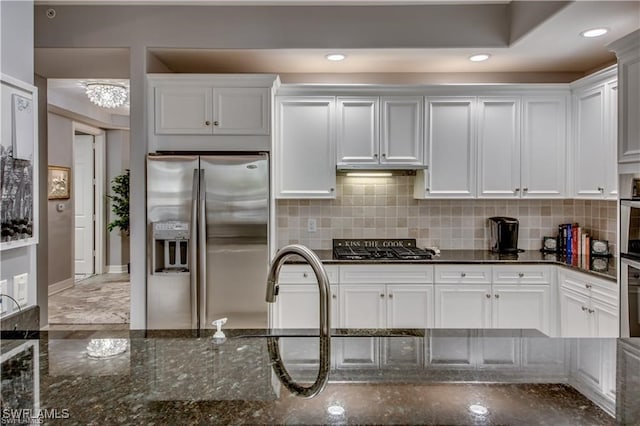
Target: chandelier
(107,95)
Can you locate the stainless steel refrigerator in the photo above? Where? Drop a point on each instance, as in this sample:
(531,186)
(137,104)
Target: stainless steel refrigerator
(207,228)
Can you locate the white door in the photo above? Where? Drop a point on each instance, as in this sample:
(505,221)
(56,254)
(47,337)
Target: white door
(590,149)
(463,306)
(499,147)
(358,136)
(451,148)
(401,130)
(521,306)
(241,111)
(574,320)
(410,306)
(542,150)
(82,193)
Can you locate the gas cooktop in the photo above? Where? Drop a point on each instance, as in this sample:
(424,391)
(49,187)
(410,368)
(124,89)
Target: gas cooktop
(379,249)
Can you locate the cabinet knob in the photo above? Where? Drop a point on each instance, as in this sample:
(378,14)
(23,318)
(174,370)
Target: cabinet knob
(590,311)
(520,274)
(427,189)
(517,190)
(600,189)
(587,285)
(391,296)
(381,295)
(334,296)
(636,276)
(525,189)
(497,296)
(216,123)
(375,155)
(584,308)
(462,274)
(488,296)
(305,275)
(207,123)
(331,189)
(384,155)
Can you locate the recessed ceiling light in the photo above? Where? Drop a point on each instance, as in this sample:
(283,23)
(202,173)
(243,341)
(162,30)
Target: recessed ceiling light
(335,410)
(479,57)
(479,410)
(594,32)
(336,57)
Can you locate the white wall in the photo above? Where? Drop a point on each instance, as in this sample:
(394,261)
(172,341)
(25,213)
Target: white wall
(16,60)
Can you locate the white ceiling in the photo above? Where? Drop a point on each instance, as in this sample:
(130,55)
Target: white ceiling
(547,48)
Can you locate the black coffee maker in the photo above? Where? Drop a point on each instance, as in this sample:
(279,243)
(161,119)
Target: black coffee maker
(504,235)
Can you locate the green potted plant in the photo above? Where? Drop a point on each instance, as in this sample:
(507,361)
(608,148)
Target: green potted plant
(120,203)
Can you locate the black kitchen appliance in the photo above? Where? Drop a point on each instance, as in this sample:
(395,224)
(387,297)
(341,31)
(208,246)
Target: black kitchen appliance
(379,249)
(504,234)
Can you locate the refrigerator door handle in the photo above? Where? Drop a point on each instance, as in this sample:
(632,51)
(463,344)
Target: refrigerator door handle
(193,251)
(202,251)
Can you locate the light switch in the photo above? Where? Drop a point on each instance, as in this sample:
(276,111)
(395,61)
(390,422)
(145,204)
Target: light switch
(4,301)
(20,288)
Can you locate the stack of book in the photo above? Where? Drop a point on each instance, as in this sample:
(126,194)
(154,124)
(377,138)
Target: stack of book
(573,240)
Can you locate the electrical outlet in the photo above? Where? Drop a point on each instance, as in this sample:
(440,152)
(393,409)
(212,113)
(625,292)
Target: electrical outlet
(20,288)
(312,225)
(4,301)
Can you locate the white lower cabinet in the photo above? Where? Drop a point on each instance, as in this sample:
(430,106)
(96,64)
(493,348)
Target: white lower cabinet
(588,305)
(521,306)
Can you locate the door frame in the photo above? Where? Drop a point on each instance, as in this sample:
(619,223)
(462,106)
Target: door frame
(99,207)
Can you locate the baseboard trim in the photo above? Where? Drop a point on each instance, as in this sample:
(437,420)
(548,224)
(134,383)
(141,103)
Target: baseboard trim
(116,269)
(61,285)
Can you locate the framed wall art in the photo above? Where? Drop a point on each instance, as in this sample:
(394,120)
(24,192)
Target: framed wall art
(59,183)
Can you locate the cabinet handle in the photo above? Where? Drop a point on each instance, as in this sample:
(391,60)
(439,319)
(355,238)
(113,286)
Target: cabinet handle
(600,189)
(525,189)
(216,123)
(382,295)
(427,189)
(207,123)
(497,296)
(517,190)
(590,311)
(375,155)
(584,308)
(488,296)
(587,285)
(384,155)
(391,296)
(520,274)
(331,189)
(334,296)
(305,275)
(636,276)
(463,274)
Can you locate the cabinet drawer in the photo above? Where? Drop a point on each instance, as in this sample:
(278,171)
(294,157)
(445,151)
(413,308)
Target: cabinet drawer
(386,274)
(588,285)
(463,274)
(521,274)
(303,274)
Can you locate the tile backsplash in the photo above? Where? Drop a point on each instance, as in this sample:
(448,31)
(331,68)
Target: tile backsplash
(385,208)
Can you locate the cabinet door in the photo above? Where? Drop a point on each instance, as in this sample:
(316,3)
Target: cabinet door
(499,147)
(463,306)
(241,111)
(183,110)
(362,306)
(629,73)
(543,148)
(521,306)
(401,130)
(589,143)
(305,162)
(451,148)
(358,136)
(605,319)
(611,182)
(574,319)
(298,306)
(410,306)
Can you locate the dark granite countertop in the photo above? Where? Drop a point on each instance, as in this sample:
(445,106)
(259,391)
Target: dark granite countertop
(185,377)
(602,267)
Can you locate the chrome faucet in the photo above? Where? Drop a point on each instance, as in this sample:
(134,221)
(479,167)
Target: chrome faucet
(318,270)
(325,324)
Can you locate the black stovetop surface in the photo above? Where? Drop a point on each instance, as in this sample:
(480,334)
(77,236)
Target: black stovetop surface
(378,249)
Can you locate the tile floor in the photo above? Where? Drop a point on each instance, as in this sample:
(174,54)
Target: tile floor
(97,300)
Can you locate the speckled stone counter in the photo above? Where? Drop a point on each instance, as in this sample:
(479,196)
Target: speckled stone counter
(602,267)
(414,377)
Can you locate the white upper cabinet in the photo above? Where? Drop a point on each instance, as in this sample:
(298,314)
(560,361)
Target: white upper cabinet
(499,147)
(370,135)
(401,130)
(183,110)
(628,52)
(451,149)
(358,131)
(595,118)
(543,159)
(241,111)
(188,110)
(304,159)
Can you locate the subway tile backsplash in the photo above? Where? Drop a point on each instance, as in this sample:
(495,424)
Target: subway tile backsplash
(385,208)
